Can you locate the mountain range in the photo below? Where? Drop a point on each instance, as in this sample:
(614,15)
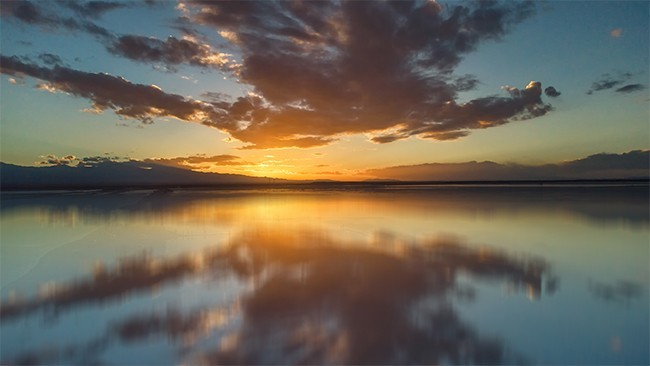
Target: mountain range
(115,174)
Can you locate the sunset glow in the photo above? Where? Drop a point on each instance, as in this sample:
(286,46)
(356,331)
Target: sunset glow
(331,93)
(310,182)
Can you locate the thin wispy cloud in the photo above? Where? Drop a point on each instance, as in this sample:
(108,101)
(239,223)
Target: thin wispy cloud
(54,160)
(35,14)
(170,52)
(630,88)
(107,92)
(50,59)
(618,81)
(93,9)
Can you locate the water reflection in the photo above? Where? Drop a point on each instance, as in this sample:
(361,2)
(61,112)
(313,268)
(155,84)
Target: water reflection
(319,301)
(312,299)
(619,292)
(597,205)
(452,276)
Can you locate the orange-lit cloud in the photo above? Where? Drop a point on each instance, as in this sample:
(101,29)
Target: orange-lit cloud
(616,33)
(170,52)
(321,78)
(318,72)
(54,160)
(138,101)
(198,161)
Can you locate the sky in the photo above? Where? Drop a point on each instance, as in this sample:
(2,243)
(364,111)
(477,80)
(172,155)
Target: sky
(329,90)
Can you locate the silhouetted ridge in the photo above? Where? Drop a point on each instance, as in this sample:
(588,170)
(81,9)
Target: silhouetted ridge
(114,174)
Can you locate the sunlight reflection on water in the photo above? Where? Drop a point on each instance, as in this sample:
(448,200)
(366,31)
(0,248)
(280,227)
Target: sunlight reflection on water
(448,275)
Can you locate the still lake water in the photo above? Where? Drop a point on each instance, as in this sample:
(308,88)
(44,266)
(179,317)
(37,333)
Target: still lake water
(450,275)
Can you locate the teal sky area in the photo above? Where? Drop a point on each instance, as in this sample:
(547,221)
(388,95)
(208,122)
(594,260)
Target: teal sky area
(335,90)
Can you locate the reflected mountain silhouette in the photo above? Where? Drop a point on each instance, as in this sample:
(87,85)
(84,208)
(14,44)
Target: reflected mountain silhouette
(312,299)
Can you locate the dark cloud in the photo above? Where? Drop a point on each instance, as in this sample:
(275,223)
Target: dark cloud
(30,13)
(126,99)
(630,88)
(384,139)
(53,160)
(22,10)
(187,162)
(216,97)
(93,9)
(50,59)
(170,52)
(329,69)
(552,92)
(91,161)
(604,84)
(609,81)
(627,165)
(322,71)
(146,102)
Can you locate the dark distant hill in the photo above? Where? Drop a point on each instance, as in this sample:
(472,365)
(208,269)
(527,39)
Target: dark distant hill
(115,175)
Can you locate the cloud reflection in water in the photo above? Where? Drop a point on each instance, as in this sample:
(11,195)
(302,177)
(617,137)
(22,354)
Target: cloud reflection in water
(311,299)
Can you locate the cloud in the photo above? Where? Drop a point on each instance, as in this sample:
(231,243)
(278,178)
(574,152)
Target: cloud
(552,92)
(194,162)
(146,102)
(315,74)
(50,59)
(23,10)
(92,9)
(599,166)
(170,52)
(72,161)
(320,77)
(91,161)
(198,161)
(616,33)
(630,88)
(27,12)
(126,99)
(53,160)
(609,81)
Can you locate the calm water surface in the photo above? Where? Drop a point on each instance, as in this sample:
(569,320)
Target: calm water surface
(449,275)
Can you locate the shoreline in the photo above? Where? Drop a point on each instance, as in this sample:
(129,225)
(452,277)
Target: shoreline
(334,186)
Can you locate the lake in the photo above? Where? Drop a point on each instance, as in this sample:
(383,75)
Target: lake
(395,275)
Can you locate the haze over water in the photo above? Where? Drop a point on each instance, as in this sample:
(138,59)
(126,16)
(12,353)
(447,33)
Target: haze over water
(451,275)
